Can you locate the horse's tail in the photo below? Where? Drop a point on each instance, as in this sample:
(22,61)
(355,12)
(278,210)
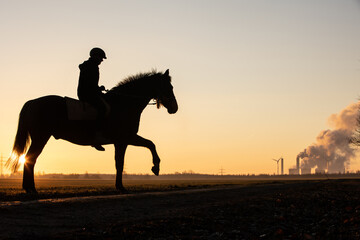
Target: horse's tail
(22,141)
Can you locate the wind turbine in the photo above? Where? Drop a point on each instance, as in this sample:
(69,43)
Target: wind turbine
(277,163)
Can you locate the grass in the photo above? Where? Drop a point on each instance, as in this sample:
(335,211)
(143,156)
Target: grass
(11,190)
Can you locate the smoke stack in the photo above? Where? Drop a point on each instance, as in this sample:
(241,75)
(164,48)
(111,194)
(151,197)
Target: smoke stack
(298,164)
(282,166)
(332,151)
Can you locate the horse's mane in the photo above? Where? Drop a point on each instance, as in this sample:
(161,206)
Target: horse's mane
(135,79)
(142,80)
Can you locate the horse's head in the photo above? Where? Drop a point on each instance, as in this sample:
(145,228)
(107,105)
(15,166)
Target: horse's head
(165,95)
(146,86)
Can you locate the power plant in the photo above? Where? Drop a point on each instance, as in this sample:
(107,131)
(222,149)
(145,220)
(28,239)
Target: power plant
(304,170)
(296,170)
(331,152)
(301,169)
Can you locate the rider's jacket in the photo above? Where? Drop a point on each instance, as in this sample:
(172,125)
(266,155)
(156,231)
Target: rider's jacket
(88,87)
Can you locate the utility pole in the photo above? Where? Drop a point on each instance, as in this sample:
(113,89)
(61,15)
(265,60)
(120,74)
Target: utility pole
(222,171)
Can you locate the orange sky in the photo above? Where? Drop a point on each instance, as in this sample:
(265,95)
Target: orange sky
(253,80)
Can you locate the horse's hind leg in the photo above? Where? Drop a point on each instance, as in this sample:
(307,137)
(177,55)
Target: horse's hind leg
(119,162)
(36,147)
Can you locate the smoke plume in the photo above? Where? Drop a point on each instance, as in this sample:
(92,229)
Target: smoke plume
(332,151)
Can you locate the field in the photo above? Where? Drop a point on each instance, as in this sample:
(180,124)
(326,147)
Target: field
(182,209)
(10,189)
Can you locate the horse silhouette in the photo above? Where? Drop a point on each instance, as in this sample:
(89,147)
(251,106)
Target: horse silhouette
(47,116)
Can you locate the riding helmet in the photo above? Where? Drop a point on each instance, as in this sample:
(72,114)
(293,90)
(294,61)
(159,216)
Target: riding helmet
(97,52)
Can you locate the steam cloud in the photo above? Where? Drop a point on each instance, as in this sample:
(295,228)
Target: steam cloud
(332,150)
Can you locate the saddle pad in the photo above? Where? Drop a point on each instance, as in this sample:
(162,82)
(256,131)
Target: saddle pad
(78,110)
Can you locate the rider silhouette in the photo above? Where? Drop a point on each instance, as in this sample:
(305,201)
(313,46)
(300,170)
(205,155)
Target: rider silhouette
(88,88)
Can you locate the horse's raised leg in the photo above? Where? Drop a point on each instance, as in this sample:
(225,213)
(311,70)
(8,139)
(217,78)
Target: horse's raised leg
(142,142)
(36,147)
(119,163)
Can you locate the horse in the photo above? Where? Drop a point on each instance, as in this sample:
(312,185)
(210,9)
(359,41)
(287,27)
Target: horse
(46,116)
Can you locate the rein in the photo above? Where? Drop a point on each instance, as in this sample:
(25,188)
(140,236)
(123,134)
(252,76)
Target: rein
(152,103)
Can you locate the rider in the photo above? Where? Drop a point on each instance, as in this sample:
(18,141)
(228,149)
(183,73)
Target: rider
(88,88)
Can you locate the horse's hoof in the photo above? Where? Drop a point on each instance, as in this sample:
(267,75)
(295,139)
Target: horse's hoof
(155,170)
(122,190)
(31,191)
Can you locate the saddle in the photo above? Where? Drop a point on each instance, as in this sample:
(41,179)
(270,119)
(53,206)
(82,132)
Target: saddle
(79,110)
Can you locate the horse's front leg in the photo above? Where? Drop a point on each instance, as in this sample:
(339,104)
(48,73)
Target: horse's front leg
(119,163)
(142,142)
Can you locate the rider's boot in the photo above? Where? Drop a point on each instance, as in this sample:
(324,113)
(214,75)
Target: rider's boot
(98,147)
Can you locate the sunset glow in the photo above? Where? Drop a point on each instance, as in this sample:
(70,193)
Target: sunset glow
(254,80)
(22,159)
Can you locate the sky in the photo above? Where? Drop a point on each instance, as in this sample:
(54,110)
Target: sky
(254,80)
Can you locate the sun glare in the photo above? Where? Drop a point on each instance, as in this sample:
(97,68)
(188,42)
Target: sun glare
(22,159)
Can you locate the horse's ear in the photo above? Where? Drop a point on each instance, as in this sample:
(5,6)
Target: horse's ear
(166,73)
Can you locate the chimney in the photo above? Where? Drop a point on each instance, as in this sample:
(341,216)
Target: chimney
(298,164)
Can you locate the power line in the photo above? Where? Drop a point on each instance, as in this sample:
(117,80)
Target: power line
(222,171)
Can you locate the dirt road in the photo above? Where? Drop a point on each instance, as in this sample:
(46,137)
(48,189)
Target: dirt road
(294,210)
